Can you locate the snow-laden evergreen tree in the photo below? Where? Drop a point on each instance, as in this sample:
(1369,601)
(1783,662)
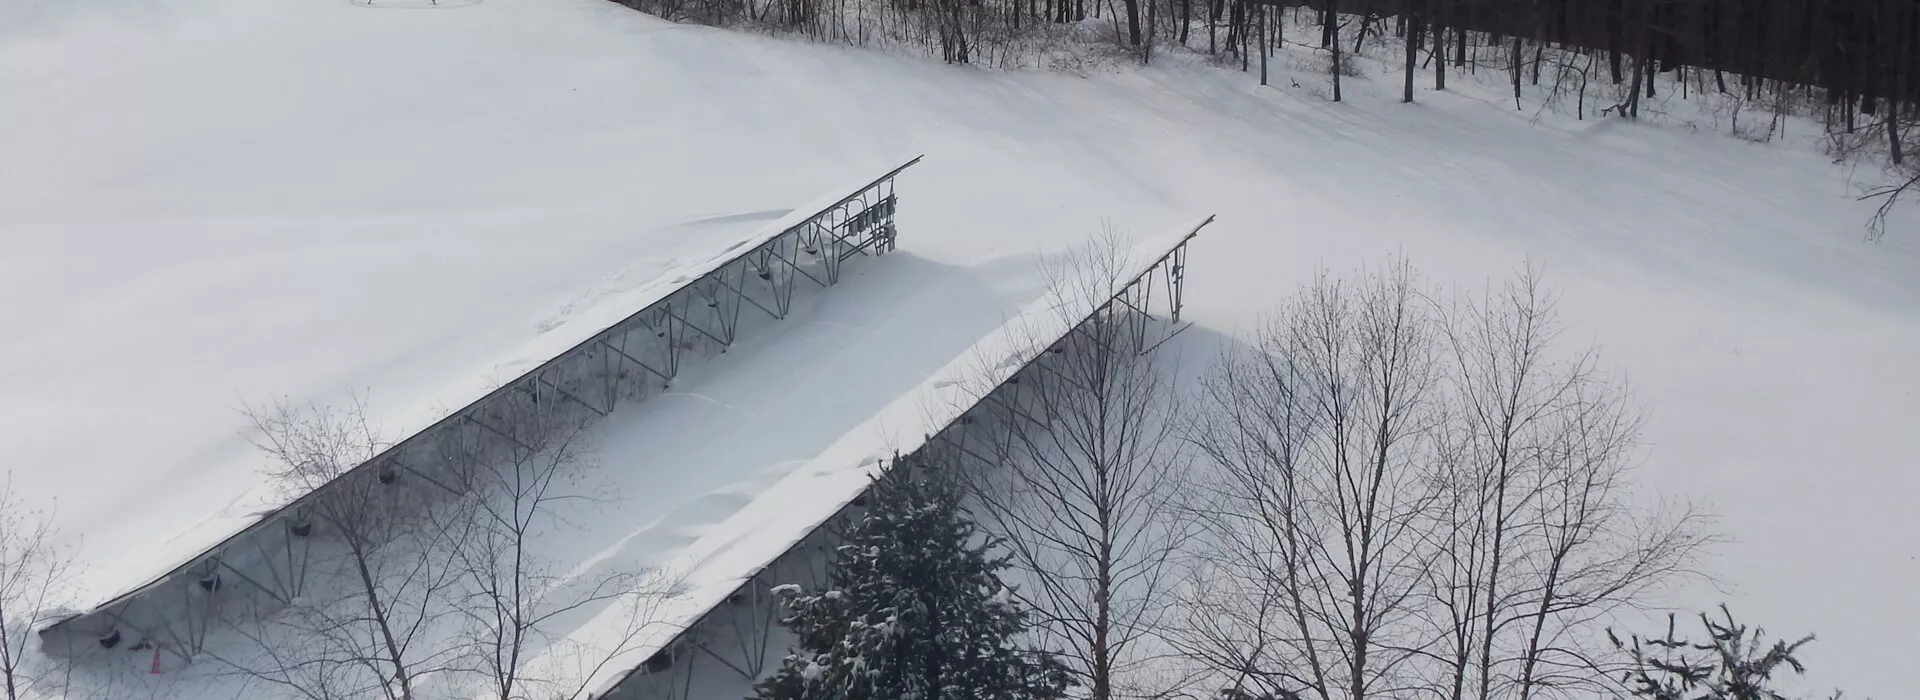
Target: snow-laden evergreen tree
(1735,663)
(913,610)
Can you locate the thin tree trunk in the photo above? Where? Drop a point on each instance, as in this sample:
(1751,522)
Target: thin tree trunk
(1495,554)
(1412,31)
(1263,45)
(1186,20)
(1214,10)
(1366,23)
(1896,90)
(1893,136)
(1547,596)
(1238,31)
(379,614)
(1357,684)
(1103,605)
(1616,33)
(1332,33)
(1459,40)
(6,657)
(1633,91)
(1539,55)
(1517,68)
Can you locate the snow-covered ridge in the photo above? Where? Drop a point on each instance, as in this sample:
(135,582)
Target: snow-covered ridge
(729,554)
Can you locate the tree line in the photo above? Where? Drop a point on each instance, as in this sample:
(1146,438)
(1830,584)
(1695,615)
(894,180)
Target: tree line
(1860,52)
(1852,65)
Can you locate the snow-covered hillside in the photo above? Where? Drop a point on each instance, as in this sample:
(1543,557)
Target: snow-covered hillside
(211,203)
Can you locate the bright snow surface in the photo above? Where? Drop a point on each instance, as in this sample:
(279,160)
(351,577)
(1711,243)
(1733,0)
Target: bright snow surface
(205,203)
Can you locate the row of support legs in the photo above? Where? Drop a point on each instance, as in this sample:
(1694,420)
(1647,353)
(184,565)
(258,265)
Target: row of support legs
(641,355)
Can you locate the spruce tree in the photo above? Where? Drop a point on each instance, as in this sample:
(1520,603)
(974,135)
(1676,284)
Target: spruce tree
(913,610)
(1733,664)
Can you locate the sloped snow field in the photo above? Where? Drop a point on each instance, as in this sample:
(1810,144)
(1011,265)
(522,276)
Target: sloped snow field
(211,203)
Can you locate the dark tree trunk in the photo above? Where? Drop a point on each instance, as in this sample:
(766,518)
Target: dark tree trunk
(1133,22)
(1412,30)
(1186,20)
(1517,70)
(1460,41)
(1366,24)
(1215,9)
(1539,55)
(1616,35)
(1332,33)
(1439,54)
(1263,46)
(1652,68)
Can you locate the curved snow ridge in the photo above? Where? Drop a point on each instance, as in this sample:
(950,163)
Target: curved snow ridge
(730,551)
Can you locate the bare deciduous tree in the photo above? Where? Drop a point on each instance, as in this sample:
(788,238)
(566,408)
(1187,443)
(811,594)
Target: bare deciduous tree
(1543,538)
(1415,498)
(437,575)
(365,615)
(1313,553)
(34,574)
(1086,499)
(517,492)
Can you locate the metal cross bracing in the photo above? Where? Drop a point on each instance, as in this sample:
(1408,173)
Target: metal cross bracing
(740,640)
(737,641)
(286,553)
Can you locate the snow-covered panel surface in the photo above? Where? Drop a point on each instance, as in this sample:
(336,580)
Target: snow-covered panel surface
(726,552)
(210,202)
(558,336)
(555,338)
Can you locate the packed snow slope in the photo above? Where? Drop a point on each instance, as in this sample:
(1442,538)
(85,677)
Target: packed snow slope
(206,204)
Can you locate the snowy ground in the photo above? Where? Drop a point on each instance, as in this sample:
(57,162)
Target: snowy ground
(211,202)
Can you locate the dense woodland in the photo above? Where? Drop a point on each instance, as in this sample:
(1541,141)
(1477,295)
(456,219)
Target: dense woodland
(1850,64)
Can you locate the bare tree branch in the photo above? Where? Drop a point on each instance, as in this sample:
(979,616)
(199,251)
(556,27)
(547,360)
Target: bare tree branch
(1093,471)
(1410,498)
(35,573)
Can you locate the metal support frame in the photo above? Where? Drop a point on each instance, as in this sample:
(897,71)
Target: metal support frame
(633,359)
(1148,307)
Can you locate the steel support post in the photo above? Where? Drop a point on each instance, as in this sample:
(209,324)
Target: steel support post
(637,361)
(570,397)
(242,575)
(1177,280)
(287,558)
